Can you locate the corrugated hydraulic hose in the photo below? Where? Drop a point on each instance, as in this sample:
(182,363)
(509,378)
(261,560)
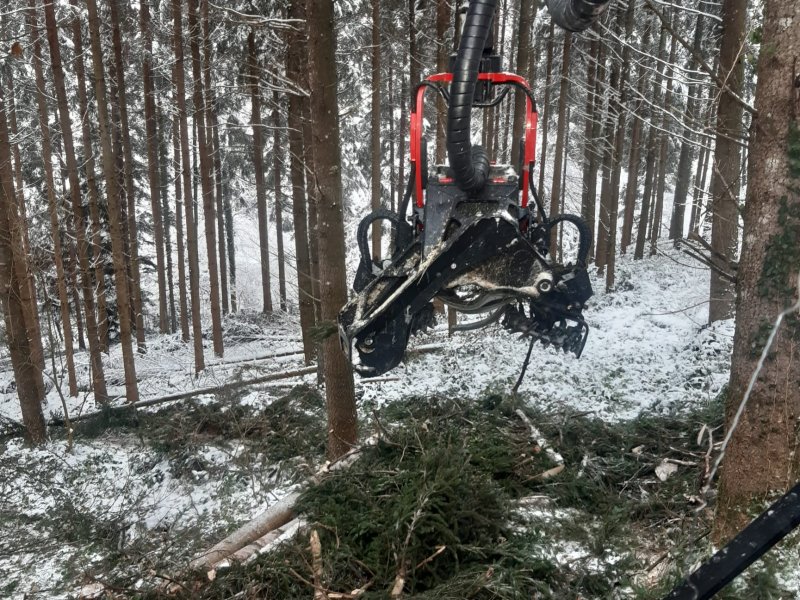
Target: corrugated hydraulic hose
(576,15)
(470,164)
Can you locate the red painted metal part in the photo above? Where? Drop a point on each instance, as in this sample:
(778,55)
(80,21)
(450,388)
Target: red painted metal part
(417,115)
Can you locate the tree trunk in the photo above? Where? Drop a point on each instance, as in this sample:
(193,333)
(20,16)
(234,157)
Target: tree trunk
(191,229)
(206,178)
(339,388)
(216,156)
(546,115)
(179,214)
(98,253)
(414,60)
(442,58)
(665,134)
(725,174)
(258,164)
(555,192)
(620,105)
(154,175)
(127,148)
(687,145)
(607,139)
(27,374)
(278,174)
(589,192)
(527,15)
(375,131)
(52,204)
(634,162)
(763,457)
(652,151)
(93,331)
(114,211)
(14,292)
(36,334)
(297,106)
(166,214)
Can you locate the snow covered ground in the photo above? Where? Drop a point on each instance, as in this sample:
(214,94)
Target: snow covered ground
(649,349)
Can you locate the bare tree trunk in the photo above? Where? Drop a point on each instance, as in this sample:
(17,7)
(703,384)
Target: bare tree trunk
(607,141)
(52,204)
(589,196)
(339,388)
(546,120)
(527,15)
(414,60)
(687,145)
(154,175)
(135,275)
(179,214)
(297,106)
(665,134)
(114,212)
(375,131)
(555,192)
(652,151)
(27,374)
(206,180)
(36,334)
(634,162)
(166,214)
(191,229)
(620,102)
(98,254)
(725,174)
(647,195)
(258,163)
(442,57)
(764,455)
(216,154)
(278,174)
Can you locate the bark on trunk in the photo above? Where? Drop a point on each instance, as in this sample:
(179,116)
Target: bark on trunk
(339,388)
(130,194)
(546,114)
(191,230)
(19,335)
(442,58)
(98,253)
(154,176)
(254,69)
(634,162)
(527,15)
(216,155)
(555,192)
(763,457)
(297,107)
(114,211)
(52,203)
(589,192)
(687,145)
(206,178)
(179,213)
(375,130)
(277,172)
(726,173)
(665,134)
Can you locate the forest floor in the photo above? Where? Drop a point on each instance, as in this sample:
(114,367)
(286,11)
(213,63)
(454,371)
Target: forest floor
(139,493)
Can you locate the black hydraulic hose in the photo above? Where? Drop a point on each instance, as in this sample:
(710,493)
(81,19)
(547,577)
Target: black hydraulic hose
(576,15)
(470,165)
(584,235)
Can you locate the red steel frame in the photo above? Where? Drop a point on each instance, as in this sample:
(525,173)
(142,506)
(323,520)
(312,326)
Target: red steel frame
(531,123)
